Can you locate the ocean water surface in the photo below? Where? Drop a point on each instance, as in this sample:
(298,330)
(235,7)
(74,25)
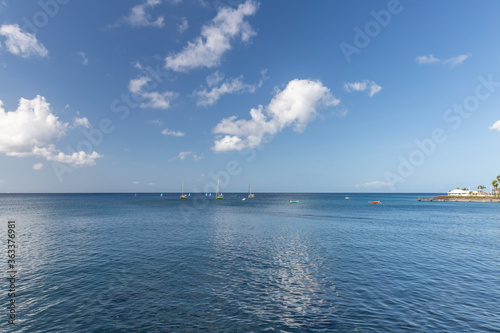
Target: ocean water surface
(120,263)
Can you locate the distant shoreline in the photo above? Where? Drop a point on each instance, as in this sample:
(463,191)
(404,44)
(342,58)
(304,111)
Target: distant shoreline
(461,199)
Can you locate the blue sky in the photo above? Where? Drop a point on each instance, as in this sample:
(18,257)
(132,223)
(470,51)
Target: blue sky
(299,96)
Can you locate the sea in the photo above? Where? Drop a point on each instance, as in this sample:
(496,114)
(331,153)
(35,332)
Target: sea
(329,263)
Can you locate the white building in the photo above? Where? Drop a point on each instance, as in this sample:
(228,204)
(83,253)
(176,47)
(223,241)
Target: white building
(459,193)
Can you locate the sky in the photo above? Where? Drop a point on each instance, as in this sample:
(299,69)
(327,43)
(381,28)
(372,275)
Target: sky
(298,96)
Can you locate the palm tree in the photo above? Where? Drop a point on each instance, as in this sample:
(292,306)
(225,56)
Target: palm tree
(480,188)
(495,185)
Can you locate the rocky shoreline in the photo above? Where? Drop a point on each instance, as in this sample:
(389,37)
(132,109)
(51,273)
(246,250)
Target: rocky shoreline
(461,199)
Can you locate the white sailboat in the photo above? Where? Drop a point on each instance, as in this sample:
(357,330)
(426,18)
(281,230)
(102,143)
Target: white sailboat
(250,194)
(218,195)
(183,196)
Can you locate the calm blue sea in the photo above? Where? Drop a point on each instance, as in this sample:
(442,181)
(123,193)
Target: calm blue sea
(119,263)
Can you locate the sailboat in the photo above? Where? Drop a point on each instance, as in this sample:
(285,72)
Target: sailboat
(183,196)
(218,195)
(250,194)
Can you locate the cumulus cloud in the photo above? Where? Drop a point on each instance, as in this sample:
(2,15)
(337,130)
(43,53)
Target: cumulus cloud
(83,122)
(208,97)
(452,62)
(166,131)
(296,106)
(22,43)
(76,159)
(153,99)
(186,155)
(364,85)
(375,184)
(32,124)
(495,126)
(206,50)
(139,17)
(30,130)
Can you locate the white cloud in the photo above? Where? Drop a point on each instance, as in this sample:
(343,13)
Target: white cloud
(154,99)
(183,26)
(156,122)
(364,85)
(214,78)
(375,184)
(295,106)
(452,62)
(495,126)
(185,155)
(151,184)
(209,97)
(76,159)
(198,157)
(456,60)
(166,131)
(84,122)
(85,59)
(215,39)
(37,166)
(135,182)
(22,43)
(30,130)
(138,16)
(32,124)
(430,59)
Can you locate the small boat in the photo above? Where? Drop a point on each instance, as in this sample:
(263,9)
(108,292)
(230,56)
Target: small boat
(161,194)
(347,198)
(183,196)
(250,194)
(374,202)
(243,199)
(293,201)
(218,195)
